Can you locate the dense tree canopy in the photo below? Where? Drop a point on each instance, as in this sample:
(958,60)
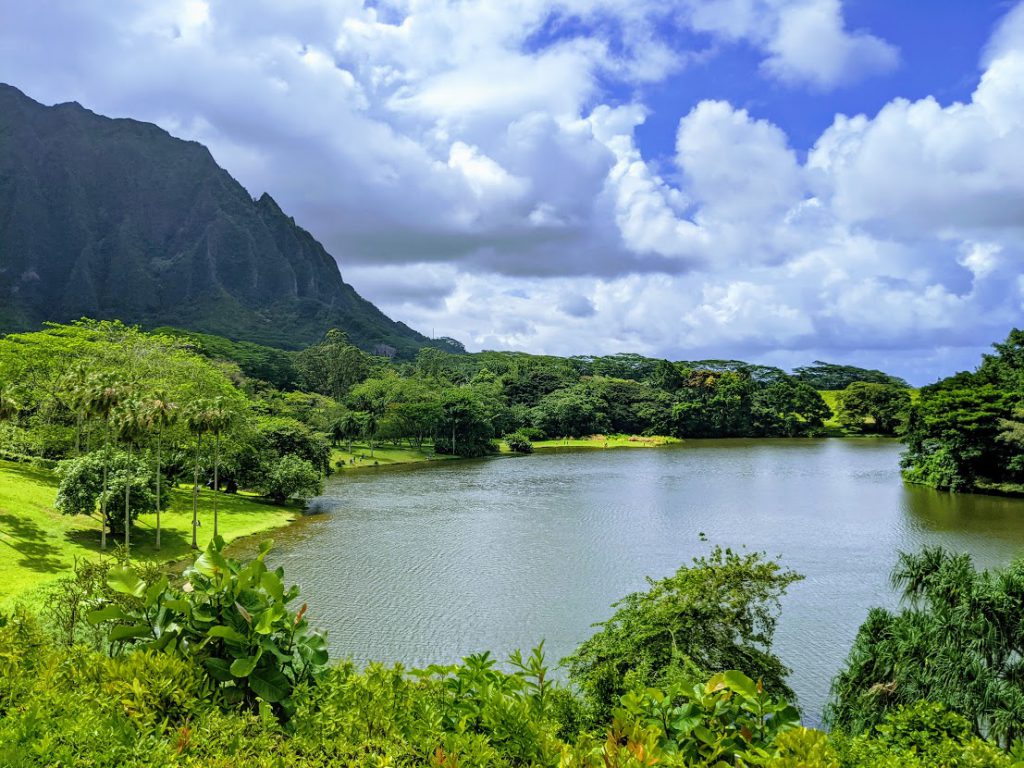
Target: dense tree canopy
(965,430)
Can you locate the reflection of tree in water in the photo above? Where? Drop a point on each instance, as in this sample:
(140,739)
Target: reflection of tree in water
(991,527)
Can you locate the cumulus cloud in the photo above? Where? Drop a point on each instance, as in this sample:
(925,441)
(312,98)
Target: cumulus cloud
(475,173)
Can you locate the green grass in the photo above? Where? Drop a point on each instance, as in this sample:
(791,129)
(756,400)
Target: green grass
(607,441)
(383,456)
(38,544)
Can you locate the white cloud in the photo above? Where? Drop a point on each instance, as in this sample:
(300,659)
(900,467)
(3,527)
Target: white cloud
(467,166)
(806,40)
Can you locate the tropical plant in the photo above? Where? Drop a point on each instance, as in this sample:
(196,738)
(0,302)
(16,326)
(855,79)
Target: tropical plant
(82,485)
(160,414)
(131,426)
(102,396)
(960,643)
(231,618)
(717,614)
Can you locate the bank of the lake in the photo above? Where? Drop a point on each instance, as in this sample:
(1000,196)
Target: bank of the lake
(427,563)
(39,545)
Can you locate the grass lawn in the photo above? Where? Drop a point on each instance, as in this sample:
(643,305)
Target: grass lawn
(607,441)
(39,545)
(383,456)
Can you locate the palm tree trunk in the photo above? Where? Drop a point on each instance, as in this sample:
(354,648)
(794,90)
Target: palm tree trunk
(158,438)
(216,480)
(103,498)
(195,495)
(127,499)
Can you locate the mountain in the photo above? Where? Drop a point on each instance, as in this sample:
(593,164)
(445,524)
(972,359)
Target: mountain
(115,218)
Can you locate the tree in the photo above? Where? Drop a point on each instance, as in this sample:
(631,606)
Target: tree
(290,477)
(333,366)
(160,414)
(102,397)
(198,422)
(80,488)
(717,614)
(960,643)
(866,406)
(131,428)
(219,417)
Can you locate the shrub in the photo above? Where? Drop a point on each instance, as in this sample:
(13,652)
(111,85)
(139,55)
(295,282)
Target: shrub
(518,442)
(230,619)
(80,491)
(290,478)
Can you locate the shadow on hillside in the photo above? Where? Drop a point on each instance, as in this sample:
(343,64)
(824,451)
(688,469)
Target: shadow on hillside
(28,540)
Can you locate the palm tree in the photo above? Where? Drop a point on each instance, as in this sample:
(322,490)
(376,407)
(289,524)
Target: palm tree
(9,405)
(160,413)
(348,427)
(131,427)
(100,398)
(218,417)
(370,425)
(197,421)
(77,385)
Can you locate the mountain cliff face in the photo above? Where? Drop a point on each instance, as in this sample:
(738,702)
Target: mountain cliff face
(114,218)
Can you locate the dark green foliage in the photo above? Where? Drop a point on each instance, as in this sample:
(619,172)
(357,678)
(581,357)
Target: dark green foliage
(116,218)
(715,615)
(290,477)
(959,643)
(269,364)
(518,442)
(963,431)
(333,366)
(821,375)
(81,490)
(870,407)
(230,619)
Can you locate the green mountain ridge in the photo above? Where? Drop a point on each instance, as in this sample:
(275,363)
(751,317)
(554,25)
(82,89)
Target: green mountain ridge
(115,218)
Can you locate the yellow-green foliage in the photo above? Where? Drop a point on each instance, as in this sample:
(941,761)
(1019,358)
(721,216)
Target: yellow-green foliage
(39,545)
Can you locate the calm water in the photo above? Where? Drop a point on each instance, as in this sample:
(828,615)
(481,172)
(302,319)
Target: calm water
(428,564)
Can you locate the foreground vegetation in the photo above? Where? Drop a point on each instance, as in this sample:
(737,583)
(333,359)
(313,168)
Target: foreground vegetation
(222,667)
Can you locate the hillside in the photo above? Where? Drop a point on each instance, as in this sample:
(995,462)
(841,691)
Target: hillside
(115,218)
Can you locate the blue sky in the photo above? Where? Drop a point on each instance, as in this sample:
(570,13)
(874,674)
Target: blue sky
(773,180)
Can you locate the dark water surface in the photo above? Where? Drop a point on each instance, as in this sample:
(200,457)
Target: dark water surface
(430,563)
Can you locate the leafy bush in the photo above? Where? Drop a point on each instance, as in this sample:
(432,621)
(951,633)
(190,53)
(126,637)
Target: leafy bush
(715,615)
(230,619)
(518,442)
(290,478)
(80,491)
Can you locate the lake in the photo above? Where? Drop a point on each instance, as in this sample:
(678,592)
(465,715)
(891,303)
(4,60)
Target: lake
(432,562)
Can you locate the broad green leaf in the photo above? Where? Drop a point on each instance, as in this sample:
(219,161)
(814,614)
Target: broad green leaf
(155,590)
(125,633)
(219,669)
(740,683)
(110,613)
(211,562)
(227,633)
(269,683)
(273,586)
(243,667)
(265,625)
(124,580)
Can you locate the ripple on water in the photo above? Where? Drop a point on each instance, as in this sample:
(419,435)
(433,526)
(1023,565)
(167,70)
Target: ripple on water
(426,565)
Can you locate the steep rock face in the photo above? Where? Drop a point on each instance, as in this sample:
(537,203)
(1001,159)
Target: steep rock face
(114,218)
